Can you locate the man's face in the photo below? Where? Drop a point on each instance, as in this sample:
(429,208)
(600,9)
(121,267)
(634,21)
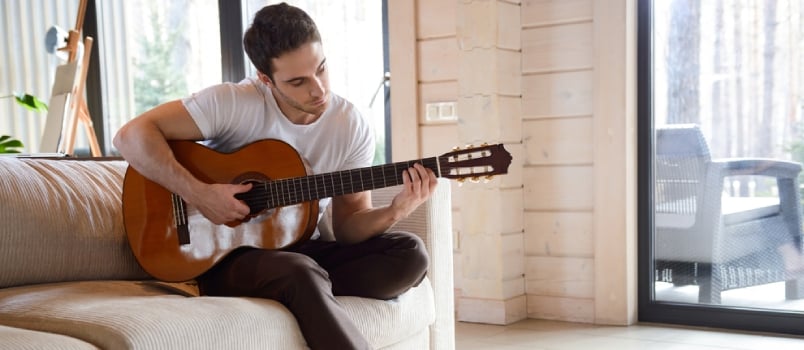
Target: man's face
(301,80)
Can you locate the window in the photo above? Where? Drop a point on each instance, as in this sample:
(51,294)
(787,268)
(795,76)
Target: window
(147,52)
(154,51)
(721,118)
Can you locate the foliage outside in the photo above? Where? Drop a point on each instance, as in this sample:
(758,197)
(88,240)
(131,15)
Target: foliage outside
(159,76)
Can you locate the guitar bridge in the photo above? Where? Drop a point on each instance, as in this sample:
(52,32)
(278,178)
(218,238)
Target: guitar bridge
(180,219)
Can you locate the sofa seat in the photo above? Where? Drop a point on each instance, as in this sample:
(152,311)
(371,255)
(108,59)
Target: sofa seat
(141,315)
(24,339)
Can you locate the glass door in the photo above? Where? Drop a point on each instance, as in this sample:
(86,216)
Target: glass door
(722,146)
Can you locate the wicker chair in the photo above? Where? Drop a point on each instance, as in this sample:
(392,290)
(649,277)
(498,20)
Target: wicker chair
(720,242)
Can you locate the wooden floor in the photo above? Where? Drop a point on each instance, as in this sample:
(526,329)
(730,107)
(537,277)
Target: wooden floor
(551,335)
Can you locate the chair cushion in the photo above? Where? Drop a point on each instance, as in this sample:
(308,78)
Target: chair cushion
(136,315)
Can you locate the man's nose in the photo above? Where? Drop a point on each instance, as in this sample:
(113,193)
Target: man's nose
(317,88)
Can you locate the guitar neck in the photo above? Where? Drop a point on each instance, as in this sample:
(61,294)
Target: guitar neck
(284,192)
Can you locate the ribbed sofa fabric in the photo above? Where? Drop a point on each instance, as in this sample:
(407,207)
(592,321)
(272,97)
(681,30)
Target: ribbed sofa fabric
(134,315)
(23,339)
(62,221)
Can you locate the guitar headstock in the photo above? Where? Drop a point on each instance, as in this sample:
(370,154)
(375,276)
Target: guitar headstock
(475,162)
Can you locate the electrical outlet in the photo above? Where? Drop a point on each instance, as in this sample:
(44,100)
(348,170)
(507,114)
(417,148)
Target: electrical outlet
(441,111)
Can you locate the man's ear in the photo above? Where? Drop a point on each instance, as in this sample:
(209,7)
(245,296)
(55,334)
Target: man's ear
(265,79)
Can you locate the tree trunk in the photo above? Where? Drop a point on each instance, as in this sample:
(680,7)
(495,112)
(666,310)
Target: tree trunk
(683,62)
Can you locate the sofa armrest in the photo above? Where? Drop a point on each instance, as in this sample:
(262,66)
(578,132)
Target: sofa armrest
(432,221)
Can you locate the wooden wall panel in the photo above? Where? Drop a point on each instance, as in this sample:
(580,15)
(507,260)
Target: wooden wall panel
(551,233)
(559,188)
(403,58)
(560,277)
(434,18)
(564,47)
(557,94)
(438,138)
(546,12)
(560,141)
(559,308)
(438,60)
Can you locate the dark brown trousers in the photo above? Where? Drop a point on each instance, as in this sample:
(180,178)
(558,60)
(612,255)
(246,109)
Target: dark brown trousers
(307,278)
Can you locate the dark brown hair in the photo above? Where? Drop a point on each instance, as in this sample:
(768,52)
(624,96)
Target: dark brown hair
(276,30)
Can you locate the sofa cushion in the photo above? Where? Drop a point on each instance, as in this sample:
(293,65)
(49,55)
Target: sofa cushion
(61,220)
(136,315)
(22,339)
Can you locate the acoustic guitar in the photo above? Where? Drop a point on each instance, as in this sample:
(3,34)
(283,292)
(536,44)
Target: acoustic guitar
(174,242)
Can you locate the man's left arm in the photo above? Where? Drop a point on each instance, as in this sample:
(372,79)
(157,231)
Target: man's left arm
(355,220)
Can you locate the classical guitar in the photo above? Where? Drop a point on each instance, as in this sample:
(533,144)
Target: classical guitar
(173,242)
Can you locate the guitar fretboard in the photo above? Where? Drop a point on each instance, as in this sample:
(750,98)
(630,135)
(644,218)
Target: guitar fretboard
(283,192)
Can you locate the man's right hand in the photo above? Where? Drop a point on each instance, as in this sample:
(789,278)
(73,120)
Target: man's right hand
(218,204)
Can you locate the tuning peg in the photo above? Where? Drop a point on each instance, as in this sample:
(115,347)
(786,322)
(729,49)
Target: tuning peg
(456,148)
(475,179)
(460,182)
(487,178)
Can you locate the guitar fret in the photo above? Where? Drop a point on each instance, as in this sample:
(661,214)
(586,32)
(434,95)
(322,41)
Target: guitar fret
(315,180)
(285,198)
(332,183)
(309,196)
(294,190)
(362,185)
(298,191)
(371,171)
(340,177)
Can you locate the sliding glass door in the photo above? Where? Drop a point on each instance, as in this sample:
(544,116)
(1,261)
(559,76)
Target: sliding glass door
(722,145)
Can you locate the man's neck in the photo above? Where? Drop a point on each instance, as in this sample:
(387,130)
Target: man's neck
(293,114)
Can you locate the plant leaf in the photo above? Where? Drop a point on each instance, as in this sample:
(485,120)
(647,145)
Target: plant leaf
(9,145)
(30,102)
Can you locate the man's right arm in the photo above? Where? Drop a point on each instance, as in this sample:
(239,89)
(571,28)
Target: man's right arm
(143,143)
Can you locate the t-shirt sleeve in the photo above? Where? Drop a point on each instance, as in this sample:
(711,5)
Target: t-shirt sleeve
(208,109)
(363,145)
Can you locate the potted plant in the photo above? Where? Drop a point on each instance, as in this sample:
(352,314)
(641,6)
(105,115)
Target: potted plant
(9,144)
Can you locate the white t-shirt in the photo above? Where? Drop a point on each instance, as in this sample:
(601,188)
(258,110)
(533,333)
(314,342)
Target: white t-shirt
(231,116)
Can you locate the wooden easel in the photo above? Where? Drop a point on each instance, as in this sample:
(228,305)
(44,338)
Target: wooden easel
(78,107)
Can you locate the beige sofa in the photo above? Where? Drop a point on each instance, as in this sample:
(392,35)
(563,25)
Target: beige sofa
(69,281)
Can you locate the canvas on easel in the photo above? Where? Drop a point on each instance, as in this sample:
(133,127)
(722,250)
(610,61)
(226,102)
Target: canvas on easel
(67,106)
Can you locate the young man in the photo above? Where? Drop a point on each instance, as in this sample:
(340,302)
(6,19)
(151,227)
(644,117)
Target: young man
(289,100)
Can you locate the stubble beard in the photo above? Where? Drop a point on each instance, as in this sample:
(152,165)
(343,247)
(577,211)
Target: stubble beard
(314,110)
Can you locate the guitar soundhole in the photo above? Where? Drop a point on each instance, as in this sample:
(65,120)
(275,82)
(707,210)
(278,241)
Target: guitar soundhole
(251,177)
(252,198)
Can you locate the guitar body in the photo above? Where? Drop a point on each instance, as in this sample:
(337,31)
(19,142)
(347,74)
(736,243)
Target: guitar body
(154,218)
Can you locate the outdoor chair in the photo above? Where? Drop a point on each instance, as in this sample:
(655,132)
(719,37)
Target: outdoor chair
(707,237)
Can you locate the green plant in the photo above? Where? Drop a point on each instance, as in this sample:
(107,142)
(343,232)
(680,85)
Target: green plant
(28,101)
(9,144)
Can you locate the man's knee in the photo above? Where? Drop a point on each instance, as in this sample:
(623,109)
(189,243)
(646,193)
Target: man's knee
(414,253)
(298,275)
